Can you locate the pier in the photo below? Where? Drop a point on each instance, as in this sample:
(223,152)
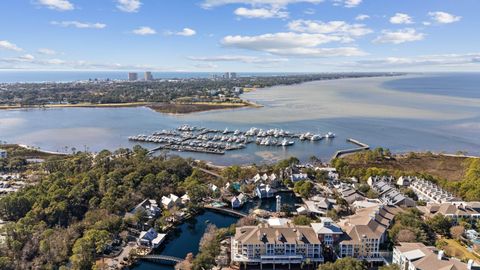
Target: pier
(226,211)
(362,147)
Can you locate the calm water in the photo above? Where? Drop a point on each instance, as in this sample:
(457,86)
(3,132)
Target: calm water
(187,237)
(388,112)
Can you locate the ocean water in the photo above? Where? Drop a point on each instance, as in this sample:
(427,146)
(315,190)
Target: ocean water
(387,112)
(454,84)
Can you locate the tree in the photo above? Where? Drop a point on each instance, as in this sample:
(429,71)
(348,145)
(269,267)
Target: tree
(302,220)
(392,266)
(304,188)
(457,232)
(406,235)
(85,248)
(440,224)
(347,263)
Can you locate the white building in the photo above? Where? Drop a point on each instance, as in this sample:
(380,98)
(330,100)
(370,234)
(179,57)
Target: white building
(170,201)
(266,244)
(417,256)
(151,238)
(148,76)
(3,153)
(430,192)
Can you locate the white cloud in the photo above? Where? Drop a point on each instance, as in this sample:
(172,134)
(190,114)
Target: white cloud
(237,58)
(291,44)
(362,17)
(352,3)
(400,36)
(336,28)
(78,24)
(274,3)
(401,18)
(444,17)
(61,5)
(46,51)
(261,13)
(27,57)
(144,31)
(347,3)
(129,5)
(186,32)
(7,45)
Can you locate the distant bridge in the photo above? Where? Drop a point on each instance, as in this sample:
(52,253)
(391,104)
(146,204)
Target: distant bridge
(162,259)
(227,211)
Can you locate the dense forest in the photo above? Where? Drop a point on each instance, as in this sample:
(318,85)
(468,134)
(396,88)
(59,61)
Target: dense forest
(103,92)
(73,212)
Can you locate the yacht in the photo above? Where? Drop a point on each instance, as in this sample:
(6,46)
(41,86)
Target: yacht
(330,135)
(316,137)
(285,142)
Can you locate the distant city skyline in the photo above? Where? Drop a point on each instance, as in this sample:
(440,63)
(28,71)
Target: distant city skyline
(240,35)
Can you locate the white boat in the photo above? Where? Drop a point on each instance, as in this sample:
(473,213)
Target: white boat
(285,142)
(316,137)
(330,135)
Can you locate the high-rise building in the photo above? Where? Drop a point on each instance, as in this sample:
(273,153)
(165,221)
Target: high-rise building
(148,76)
(132,76)
(226,75)
(233,75)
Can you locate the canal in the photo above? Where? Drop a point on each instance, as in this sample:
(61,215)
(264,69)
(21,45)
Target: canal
(186,237)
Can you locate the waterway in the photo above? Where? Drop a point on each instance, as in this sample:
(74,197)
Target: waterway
(412,113)
(186,237)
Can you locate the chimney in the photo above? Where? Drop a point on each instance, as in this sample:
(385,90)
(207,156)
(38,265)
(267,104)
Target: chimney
(440,255)
(470,264)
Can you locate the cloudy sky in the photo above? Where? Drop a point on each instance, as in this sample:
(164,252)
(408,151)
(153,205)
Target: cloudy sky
(240,35)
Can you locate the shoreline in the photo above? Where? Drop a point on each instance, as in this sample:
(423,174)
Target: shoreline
(207,106)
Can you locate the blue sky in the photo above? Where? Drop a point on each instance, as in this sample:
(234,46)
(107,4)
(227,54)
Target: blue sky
(240,35)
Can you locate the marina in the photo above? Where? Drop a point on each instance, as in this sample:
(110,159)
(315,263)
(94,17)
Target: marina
(188,138)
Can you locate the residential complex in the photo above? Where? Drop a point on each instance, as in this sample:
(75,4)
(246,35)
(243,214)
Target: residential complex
(365,231)
(417,256)
(430,192)
(265,244)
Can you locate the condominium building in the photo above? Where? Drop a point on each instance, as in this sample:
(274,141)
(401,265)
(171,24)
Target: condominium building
(265,244)
(365,231)
(148,76)
(417,256)
(430,192)
(453,210)
(388,194)
(132,76)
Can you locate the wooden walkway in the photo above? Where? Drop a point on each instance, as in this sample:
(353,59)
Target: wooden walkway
(162,258)
(226,211)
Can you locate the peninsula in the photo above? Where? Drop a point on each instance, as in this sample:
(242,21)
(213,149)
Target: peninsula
(176,95)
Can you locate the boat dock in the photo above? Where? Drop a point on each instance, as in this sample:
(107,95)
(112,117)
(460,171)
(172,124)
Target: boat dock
(362,147)
(214,141)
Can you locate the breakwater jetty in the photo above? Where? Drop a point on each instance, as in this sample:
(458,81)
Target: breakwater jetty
(362,147)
